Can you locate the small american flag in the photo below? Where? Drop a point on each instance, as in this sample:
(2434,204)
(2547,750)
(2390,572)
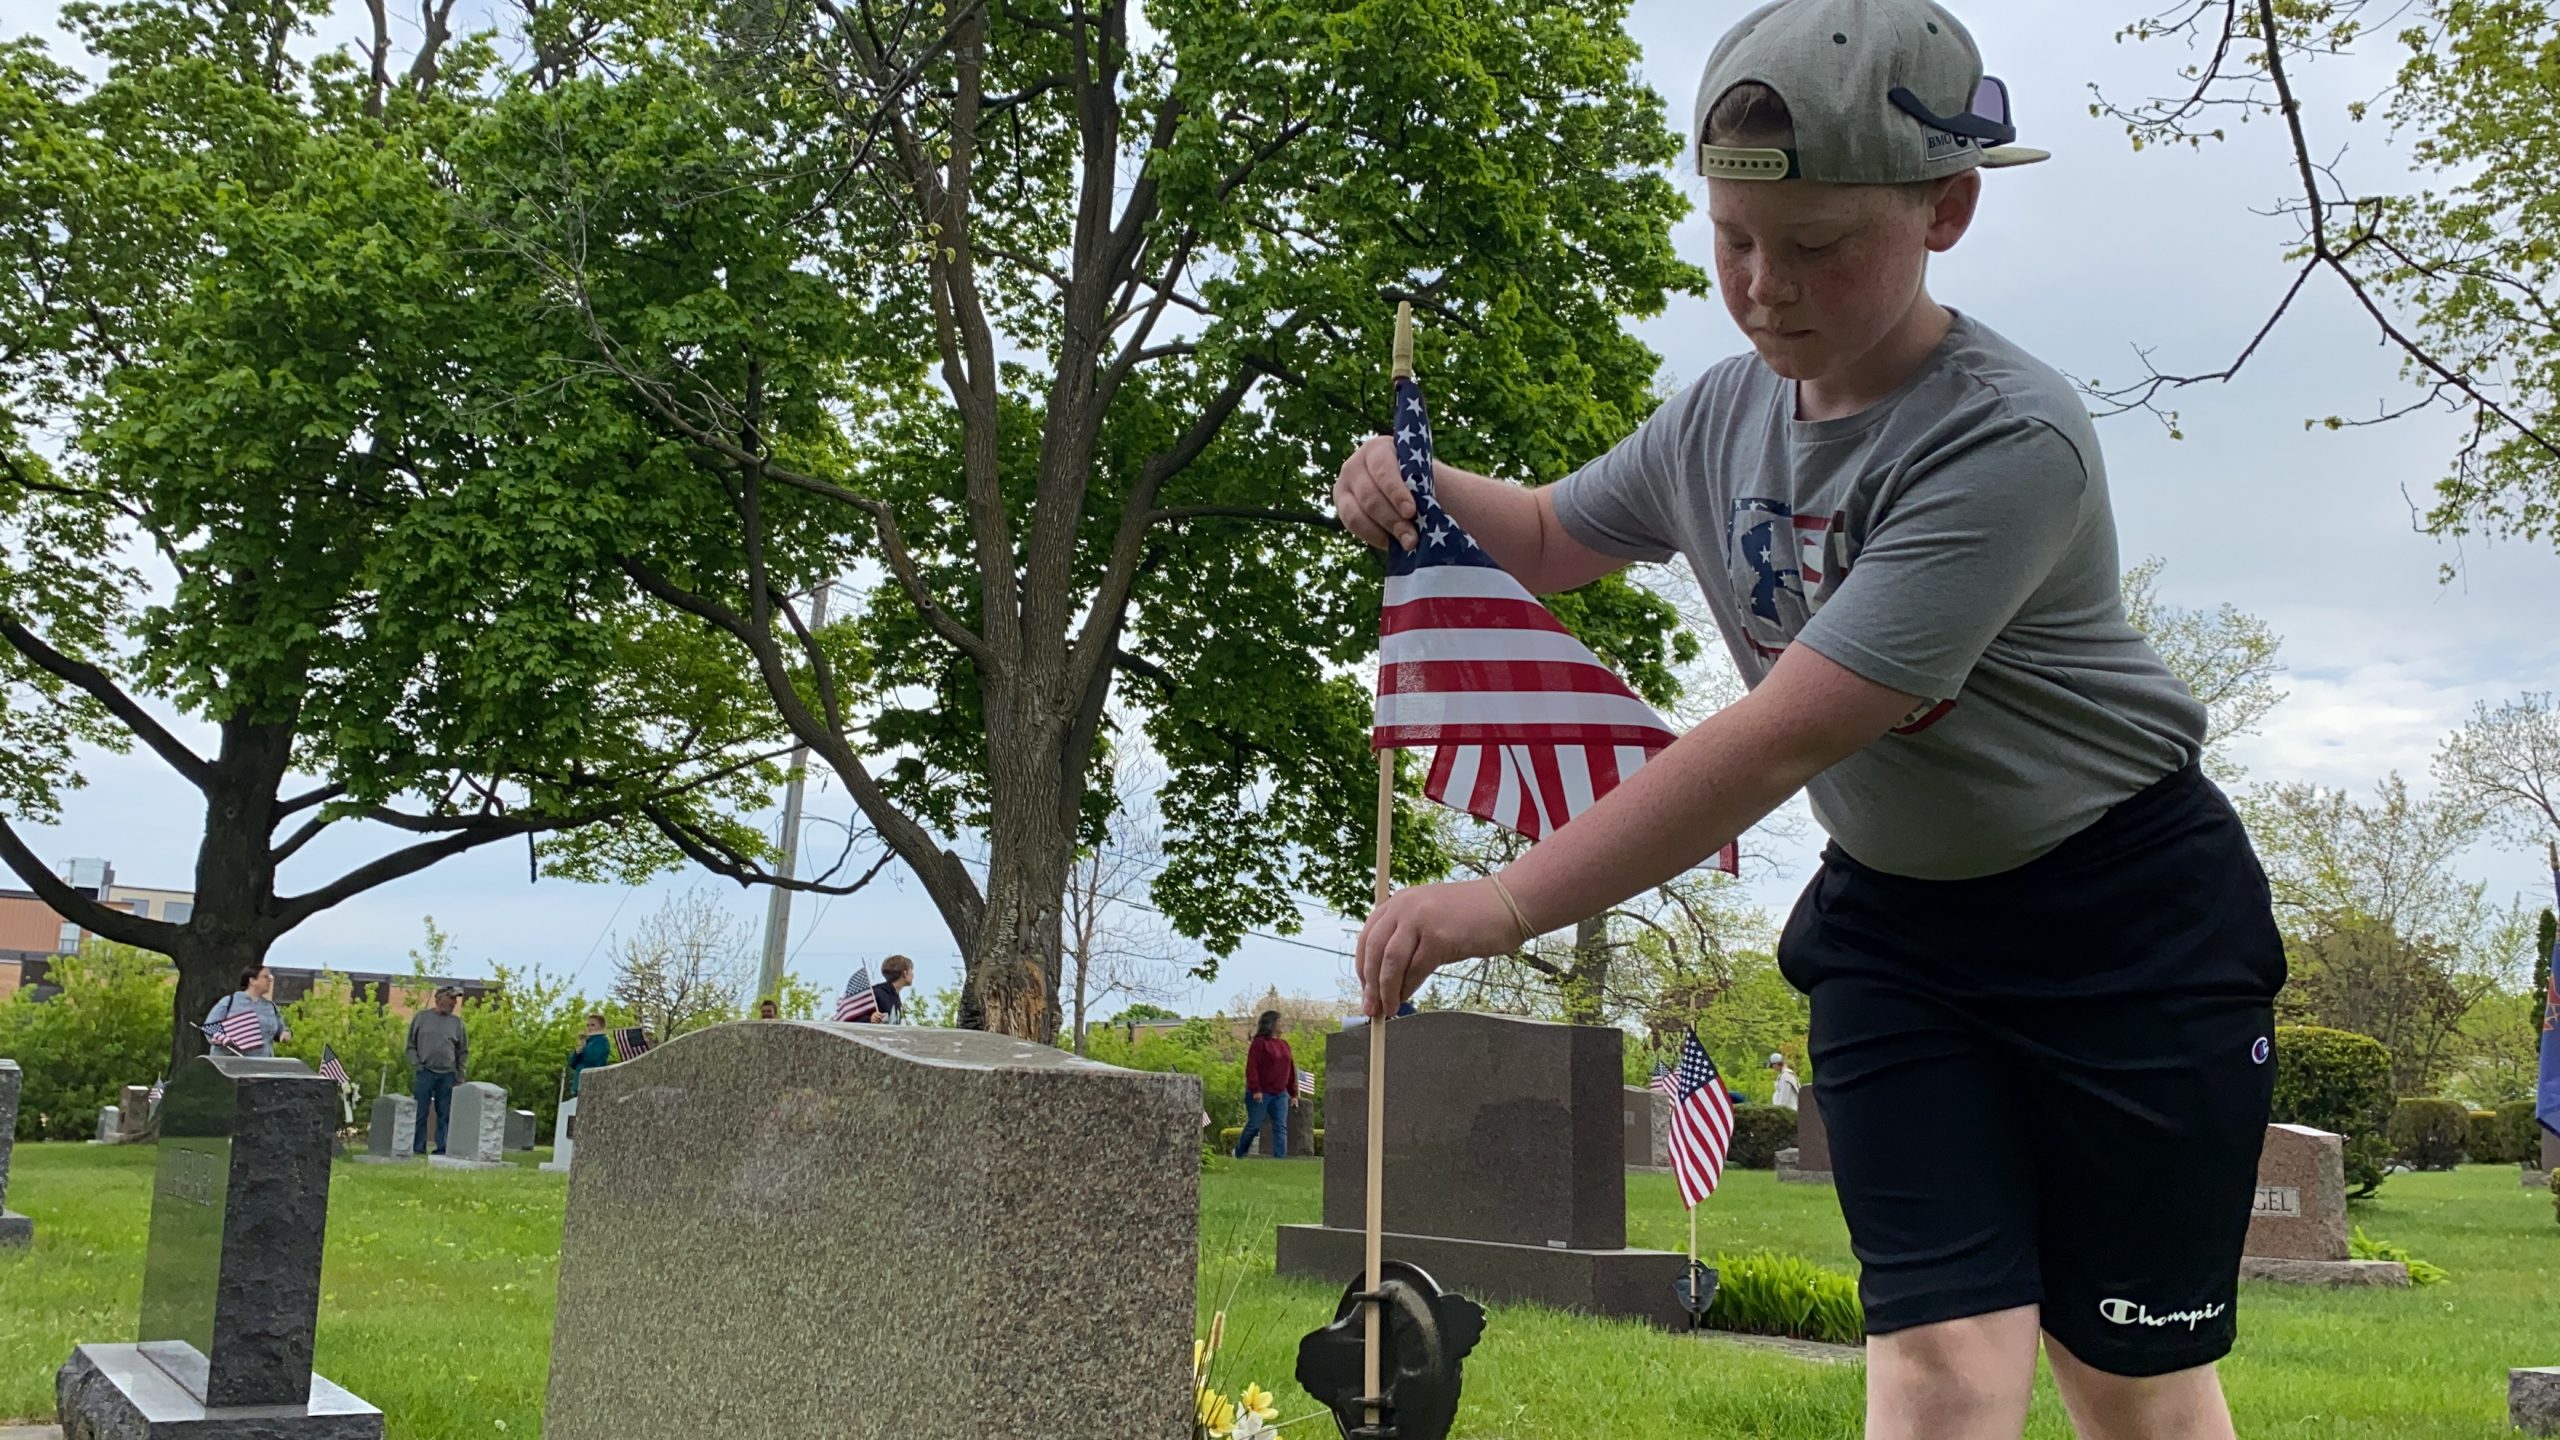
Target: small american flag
(159,1088)
(1701,1123)
(1530,728)
(1307,1083)
(331,1069)
(629,1044)
(240,1030)
(1661,1082)
(857,1002)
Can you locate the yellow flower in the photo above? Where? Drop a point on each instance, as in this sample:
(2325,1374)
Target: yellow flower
(1216,1413)
(1258,1403)
(1199,1359)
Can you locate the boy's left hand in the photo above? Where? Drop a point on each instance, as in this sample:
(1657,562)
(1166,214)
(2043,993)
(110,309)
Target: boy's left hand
(1422,929)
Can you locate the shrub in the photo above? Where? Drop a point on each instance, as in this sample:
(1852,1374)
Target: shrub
(2338,1081)
(1759,1133)
(109,1028)
(2428,1134)
(2361,1246)
(2523,1133)
(1229,1138)
(2483,1141)
(1765,1294)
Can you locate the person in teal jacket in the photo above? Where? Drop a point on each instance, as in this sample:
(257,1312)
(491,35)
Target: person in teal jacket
(592,1053)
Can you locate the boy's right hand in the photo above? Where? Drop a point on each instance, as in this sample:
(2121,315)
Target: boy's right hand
(1370,496)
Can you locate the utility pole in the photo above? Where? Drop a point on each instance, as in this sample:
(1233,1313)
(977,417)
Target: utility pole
(777,906)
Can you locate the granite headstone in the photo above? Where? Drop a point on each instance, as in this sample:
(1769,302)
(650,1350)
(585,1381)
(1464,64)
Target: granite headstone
(2550,1150)
(1639,1121)
(1302,1131)
(231,1277)
(477,1139)
(564,1144)
(394,1129)
(1809,1161)
(135,1117)
(2533,1401)
(110,1125)
(2298,1218)
(15,1229)
(967,1282)
(520,1129)
(1506,1160)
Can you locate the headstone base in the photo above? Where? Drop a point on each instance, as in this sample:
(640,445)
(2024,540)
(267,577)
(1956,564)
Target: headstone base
(456,1162)
(16,1230)
(1788,1174)
(112,1392)
(2327,1274)
(2536,1179)
(383,1159)
(1622,1284)
(2533,1401)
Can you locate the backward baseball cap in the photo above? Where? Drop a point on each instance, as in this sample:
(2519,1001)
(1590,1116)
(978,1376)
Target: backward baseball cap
(1883,92)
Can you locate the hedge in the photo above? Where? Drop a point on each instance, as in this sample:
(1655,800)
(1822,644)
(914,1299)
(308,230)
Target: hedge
(1759,1133)
(2429,1134)
(2523,1133)
(2338,1081)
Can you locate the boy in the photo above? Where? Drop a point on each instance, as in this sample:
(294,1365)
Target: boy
(2040,951)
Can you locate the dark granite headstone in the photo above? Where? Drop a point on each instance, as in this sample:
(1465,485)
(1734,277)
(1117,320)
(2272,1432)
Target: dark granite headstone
(1808,1162)
(15,1229)
(520,1129)
(231,1279)
(136,1117)
(1639,1122)
(1506,1156)
(1302,1131)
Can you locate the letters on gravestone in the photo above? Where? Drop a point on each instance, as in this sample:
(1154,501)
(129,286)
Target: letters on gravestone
(1506,1157)
(231,1279)
(15,1229)
(980,1275)
(2298,1219)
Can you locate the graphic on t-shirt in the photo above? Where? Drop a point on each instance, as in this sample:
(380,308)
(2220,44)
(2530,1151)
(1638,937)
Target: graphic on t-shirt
(1783,564)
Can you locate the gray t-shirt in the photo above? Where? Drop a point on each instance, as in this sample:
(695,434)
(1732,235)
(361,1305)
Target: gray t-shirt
(1953,542)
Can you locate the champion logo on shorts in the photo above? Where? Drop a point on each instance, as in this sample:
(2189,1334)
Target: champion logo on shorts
(2260,1051)
(2134,1312)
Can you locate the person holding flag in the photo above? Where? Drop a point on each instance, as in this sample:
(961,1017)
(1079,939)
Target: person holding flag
(2040,949)
(246,1021)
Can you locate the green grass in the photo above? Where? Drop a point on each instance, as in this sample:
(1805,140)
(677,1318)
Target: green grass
(437,1307)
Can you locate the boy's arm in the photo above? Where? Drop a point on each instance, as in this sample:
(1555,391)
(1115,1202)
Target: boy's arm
(1684,805)
(1516,526)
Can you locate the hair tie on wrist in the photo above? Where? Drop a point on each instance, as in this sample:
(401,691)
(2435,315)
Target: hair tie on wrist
(1518,917)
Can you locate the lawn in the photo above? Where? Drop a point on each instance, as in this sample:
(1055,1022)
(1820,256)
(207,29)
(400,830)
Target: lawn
(437,1307)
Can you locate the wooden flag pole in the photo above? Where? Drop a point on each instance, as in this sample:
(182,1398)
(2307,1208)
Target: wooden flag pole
(1374,1255)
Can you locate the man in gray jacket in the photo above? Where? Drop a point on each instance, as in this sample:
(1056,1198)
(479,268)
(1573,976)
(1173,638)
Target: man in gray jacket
(439,1051)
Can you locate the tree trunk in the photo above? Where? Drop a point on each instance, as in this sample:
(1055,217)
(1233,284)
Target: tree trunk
(1586,986)
(1016,966)
(231,927)
(1084,961)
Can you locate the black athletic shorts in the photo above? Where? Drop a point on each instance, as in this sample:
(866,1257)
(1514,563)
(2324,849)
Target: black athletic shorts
(2049,1086)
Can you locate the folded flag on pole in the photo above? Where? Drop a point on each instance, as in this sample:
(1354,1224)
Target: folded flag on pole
(1701,1123)
(1307,1083)
(331,1068)
(1529,727)
(629,1044)
(159,1088)
(857,1003)
(241,1030)
(2546,1098)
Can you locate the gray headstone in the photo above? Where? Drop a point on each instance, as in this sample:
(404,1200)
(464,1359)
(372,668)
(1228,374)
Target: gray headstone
(2550,1150)
(1010,1220)
(477,1139)
(1302,1131)
(394,1128)
(1506,1155)
(231,1281)
(2533,1401)
(15,1229)
(2300,1212)
(134,1113)
(1639,1122)
(1813,1140)
(520,1129)
(110,1125)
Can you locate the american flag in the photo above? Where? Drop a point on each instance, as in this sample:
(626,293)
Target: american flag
(629,1044)
(159,1088)
(857,1002)
(1701,1123)
(240,1030)
(1661,1083)
(1530,728)
(1307,1083)
(331,1069)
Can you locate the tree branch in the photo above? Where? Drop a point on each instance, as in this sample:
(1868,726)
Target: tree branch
(105,691)
(122,926)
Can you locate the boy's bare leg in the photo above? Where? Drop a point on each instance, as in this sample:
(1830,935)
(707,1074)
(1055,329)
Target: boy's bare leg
(1964,1379)
(2184,1405)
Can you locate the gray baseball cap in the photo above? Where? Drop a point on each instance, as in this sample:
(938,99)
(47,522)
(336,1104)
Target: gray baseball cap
(1884,92)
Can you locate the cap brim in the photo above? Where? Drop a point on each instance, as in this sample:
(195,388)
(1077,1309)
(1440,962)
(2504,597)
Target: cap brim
(2001,157)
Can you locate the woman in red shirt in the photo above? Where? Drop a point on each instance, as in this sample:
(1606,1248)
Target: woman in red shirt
(1270,1078)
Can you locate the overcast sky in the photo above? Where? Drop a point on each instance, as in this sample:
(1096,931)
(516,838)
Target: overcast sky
(2082,260)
